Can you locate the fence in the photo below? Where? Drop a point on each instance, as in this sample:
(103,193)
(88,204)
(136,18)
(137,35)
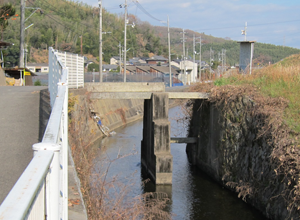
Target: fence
(75,64)
(42,190)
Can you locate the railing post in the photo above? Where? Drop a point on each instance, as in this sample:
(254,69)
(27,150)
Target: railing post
(52,180)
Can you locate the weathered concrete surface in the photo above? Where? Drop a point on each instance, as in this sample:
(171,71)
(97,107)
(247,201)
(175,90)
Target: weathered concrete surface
(2,78)
(147,95)
(113,113)
(125,87)
(246,55)
(232,152)
(156,157)
(19,130)
(77,209)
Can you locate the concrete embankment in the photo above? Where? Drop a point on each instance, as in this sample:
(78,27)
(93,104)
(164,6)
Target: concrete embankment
(83,130)
(244,146)
(113,113)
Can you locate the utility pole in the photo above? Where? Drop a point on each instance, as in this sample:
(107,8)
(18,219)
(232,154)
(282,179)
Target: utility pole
(220,57)
(22,35)
(120,58)
(200,58)
(222,61)
(169,44)
(244,32)
(81,44)
(125,27)
(224,58)
(183,51)
(194,51)
(210,63)
(100,41)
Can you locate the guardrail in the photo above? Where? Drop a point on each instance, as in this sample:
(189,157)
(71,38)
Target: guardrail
(42,190)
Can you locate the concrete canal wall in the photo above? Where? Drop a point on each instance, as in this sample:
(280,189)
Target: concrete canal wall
(234,151)
(113,113)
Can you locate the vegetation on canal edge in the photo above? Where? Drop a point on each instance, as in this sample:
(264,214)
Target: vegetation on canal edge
(274,116)
(106,197)
(279,80)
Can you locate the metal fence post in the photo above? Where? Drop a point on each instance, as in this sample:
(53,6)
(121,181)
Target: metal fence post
(52,180)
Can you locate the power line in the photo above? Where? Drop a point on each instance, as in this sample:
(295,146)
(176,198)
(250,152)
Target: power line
(60,13)
(145,11)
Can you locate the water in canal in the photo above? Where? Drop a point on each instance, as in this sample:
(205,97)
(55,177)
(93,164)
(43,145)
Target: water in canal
(193,194)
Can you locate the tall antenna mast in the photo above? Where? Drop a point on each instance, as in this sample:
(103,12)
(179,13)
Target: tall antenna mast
(244,32)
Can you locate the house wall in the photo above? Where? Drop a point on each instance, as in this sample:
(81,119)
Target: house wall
(153,62)
(39,69)
(113,61)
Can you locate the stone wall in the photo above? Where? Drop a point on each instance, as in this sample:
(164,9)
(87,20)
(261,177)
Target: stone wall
(233,151)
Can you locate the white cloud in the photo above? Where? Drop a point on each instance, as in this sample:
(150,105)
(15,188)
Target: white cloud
(185,5)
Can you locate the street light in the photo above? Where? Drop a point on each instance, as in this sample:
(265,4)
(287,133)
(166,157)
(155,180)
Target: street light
(22,29)
(125,28)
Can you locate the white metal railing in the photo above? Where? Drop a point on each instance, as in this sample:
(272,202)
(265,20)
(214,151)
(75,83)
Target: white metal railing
(42,190)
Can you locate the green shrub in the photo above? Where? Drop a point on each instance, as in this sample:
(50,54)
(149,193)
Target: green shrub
(37,83)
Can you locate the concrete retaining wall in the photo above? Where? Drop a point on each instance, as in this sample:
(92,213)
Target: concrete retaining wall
(113,113)
(231,152)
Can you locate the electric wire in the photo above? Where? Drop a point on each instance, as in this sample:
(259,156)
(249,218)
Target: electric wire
(59,13)
(145,11)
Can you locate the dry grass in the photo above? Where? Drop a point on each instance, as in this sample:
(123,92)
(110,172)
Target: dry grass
(279,80)
(274,91)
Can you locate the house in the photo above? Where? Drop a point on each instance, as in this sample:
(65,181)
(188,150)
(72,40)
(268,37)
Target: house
(38,67)
(191,68)
(131,70)
(22,76)
(136,61)
(163,70)
(115,60)
(143,69)
(176,63)
(4,45)
(107,67)
(157,60)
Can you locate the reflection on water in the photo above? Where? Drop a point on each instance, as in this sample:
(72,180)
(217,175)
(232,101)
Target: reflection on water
(193,194)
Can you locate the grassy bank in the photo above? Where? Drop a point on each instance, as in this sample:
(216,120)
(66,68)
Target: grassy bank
(273,116)
(279,80)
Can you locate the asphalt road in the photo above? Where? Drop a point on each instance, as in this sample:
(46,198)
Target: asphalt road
(19,130)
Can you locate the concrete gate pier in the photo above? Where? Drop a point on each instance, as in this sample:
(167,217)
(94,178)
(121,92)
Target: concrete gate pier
(156,157)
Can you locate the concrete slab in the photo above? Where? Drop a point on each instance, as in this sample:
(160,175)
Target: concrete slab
(76,208)
(147,95)
(125,87)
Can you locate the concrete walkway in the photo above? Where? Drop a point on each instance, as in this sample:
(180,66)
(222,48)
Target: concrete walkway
(19,130)
(23,116)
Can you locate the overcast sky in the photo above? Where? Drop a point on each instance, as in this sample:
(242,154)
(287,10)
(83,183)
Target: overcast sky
(269,21)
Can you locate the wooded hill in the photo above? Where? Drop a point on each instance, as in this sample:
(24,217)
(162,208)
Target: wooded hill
(62,23)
